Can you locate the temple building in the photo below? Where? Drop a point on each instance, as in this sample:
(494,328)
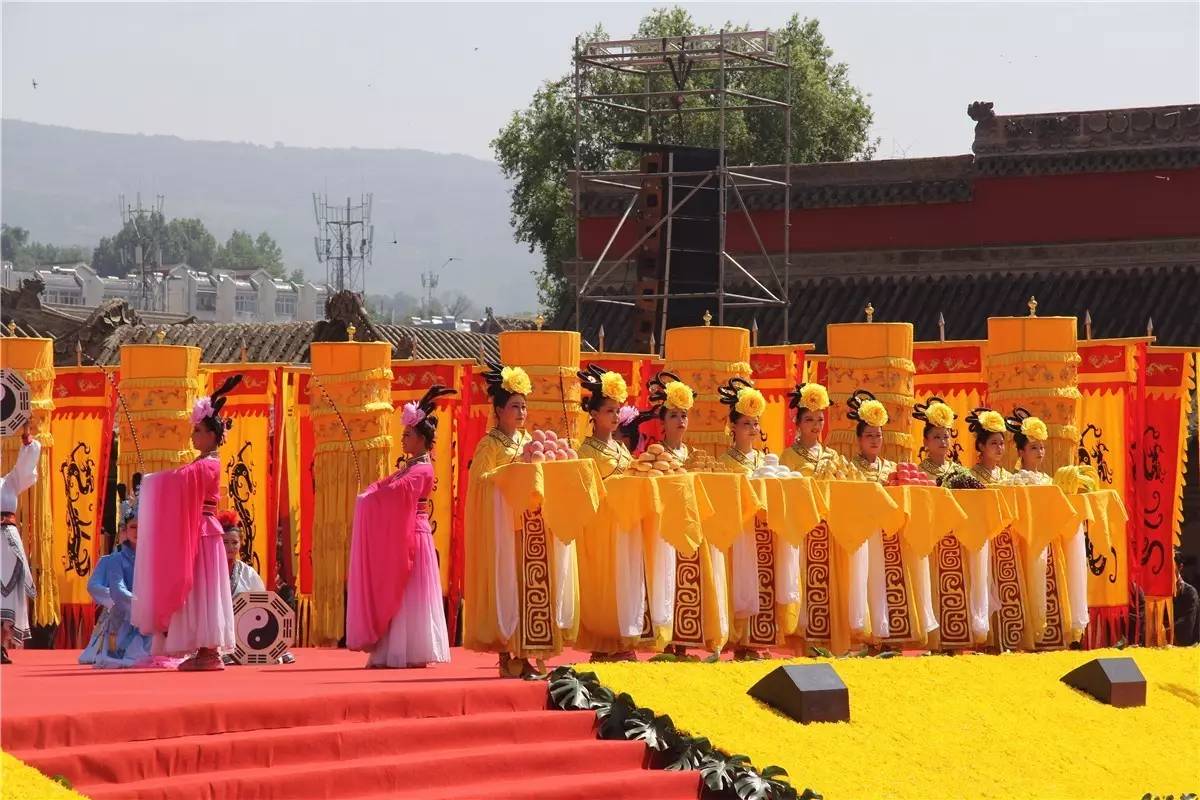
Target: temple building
(1093,212)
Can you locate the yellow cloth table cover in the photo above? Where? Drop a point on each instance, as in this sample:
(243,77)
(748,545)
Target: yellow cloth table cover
(681,508)
(930,513)
(858,509)
(987,514)
(1041,514)
(734,506)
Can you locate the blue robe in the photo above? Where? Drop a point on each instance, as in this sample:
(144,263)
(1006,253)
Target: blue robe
(115,641)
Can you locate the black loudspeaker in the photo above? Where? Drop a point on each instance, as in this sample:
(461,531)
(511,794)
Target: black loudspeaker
(1115,681)
(807,693)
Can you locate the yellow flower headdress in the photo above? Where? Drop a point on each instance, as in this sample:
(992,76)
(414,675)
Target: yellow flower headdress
(985,420)
(741,396)
(602,385)
(863,407)
(935,412)
(515,380)
(665,390)
(811,396)
(1033,428)
(1029,426)
(503,381)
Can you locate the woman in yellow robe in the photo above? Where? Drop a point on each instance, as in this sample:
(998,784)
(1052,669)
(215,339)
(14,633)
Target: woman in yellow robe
(809,456)
(1067,560)
(755,628)
(894,617)
(700,601)
(612,576)
(491,604)
(988,427)
(964,570)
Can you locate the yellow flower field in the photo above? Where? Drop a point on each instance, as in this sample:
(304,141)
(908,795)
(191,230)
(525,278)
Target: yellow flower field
(949,727)
(19,781)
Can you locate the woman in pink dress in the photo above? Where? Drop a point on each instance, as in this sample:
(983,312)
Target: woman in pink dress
(395,593)
(181,575)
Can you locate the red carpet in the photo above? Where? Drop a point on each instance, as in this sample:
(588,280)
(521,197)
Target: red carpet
(321,728)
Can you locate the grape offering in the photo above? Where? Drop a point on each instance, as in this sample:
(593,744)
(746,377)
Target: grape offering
(546,446)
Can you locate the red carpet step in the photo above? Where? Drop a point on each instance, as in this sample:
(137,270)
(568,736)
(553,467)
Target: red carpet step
(322,728)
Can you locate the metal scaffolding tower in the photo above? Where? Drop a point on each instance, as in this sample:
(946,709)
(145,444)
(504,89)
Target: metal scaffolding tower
(667,82)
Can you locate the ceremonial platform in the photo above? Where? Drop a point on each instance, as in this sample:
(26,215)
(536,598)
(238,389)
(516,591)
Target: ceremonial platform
(323,727)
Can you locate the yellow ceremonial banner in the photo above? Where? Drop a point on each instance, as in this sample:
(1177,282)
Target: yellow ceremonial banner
(552,360)
(952,371)
(1033,363)
(350,404)
(82,425)
(706,357)
(159,384)
(33,360)
(876,356)
(247,476)
(1108,381)
(410,380)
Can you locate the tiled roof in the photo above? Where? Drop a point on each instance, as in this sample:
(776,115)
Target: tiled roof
(102,331)
(1121,301)
(414,342)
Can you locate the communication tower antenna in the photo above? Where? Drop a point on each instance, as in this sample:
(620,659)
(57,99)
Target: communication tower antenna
(344,242)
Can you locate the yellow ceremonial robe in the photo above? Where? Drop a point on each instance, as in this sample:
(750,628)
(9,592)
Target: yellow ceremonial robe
(951,592)
(892,612)
(698,587)
(820,463)
(481,631)
(786,615)
(599,631)
(1044,602)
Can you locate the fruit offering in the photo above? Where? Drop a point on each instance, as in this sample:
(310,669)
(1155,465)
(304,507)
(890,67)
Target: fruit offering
(656,462)
(908,474)
(546,446)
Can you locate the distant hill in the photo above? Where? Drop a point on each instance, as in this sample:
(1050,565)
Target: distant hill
(62,185)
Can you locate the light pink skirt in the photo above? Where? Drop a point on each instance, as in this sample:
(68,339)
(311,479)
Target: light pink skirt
(206,617)
(417,634)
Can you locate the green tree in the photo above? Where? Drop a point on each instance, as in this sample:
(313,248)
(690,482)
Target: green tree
(243,251)
(116,255)
(12,240)
(535,149)
(189,242)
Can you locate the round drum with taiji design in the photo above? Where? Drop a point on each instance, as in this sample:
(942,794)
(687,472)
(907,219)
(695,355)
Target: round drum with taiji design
(264,626)
(14,402)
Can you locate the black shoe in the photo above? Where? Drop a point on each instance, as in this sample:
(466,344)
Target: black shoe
(4,659)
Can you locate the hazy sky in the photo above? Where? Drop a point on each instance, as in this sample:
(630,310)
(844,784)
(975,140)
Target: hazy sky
(445,77)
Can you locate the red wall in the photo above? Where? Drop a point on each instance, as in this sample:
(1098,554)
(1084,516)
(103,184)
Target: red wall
(1038,209)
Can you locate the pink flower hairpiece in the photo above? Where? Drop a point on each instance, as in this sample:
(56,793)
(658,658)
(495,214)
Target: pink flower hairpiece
(203,408)
(626,415)
(412,415)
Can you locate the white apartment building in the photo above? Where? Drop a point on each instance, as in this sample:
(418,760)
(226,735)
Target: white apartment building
(218,296)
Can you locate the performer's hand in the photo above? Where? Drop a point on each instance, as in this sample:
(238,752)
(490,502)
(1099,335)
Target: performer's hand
(25,437)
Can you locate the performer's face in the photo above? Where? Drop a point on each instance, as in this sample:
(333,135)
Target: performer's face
(233,545)
(511,416)
(203,439)
(131,533)
(413,442)
(605,418)
(1033,454)
(675,425)
(991,452)
(811,426)
(937,444)
(871,441)
(746,433)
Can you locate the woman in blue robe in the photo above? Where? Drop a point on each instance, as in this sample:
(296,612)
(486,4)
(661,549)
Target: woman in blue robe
(115,642)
